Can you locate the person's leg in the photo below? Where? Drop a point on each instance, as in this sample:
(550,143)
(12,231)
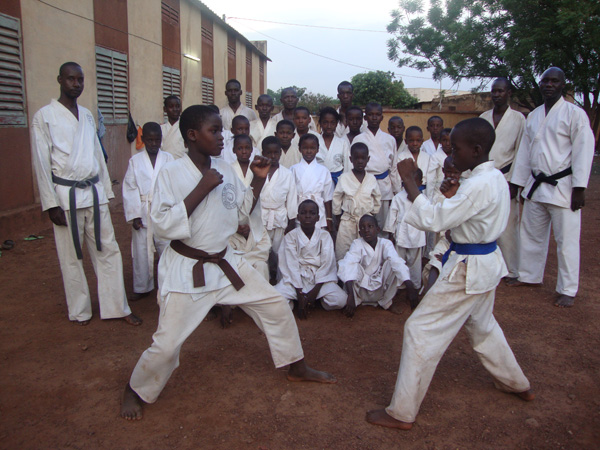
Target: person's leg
(143,280)
(383,213)
(534,236)
(390,286)
(509,240)
(75,283)
(412,258)
(333,296)
(566,225)
(345,236)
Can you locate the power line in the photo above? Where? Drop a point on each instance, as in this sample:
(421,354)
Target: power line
(309,26)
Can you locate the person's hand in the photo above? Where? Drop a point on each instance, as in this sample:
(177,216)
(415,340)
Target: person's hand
(577,199)
(407,169)
(513,189)
(57,216)
(211,179)
(350,305)
(260,166)
(449,187)
(137,223)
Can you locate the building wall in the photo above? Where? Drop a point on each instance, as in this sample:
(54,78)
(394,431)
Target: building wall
(191,44)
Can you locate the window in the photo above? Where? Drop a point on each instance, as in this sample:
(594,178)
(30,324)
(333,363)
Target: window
(111,74)
(171,82)
(249,99)
(169,14)
(12,86)
(208,91)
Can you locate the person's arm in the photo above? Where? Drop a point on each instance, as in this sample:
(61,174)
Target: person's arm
(210,180)
(522,163)
(291,203)
(434,273)
(407,169)
(260,169)
(376,196)
(329,216)
(583,143)
(103,172)
(132,203)
(313,294)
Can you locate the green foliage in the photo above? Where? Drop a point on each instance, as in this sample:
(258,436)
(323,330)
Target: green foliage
(276,95)
(381,87)
(314,102)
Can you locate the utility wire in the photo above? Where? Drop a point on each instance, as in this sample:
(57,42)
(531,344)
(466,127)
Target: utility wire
(310,26)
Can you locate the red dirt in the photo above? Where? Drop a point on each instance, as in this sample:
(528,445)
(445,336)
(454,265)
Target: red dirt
(61,383)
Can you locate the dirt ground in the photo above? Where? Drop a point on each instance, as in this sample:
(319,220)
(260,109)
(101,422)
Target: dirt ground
(61,383)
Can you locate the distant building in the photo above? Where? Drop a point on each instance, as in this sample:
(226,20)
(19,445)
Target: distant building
(428,94)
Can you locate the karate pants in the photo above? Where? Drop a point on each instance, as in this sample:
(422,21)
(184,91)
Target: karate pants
(431,328)
(347,233)
(180,315)
(412,258)
(107,263)
(143,277)
(256,253)
(509,240)
(534,240)
(381,296)
(332,295)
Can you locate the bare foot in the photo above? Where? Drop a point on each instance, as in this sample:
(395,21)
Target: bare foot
(510,280)
(514,282)
(131,404)
(565,301)
(382,418)
(299,371)
(138,296)
(526,395)
(82,323)
(131,319)
(226,316)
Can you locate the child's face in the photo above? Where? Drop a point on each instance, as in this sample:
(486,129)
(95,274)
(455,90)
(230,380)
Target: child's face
(309,150)
(233,92)
(289,99)
(446,144)
(273,152)
(208,138)
(396,128)
(449,170)
(462,152)
(359,159)
(374,116)
(345,95)
(414,140)
(368,230)
(243,150)
(328,124)
(308,215)
(354,119)
(301,120)
(173,110)
(435,126)
(264,108)
(240,127)
(285,133)
(152,141)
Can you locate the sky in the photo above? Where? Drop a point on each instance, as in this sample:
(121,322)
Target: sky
(292,66)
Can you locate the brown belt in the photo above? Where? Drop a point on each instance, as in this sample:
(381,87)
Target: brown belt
(203,257)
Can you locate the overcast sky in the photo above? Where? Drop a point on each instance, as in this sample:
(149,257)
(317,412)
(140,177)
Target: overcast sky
(292,66)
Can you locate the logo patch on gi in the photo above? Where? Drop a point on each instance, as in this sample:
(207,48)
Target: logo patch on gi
(339,158)
(228,196)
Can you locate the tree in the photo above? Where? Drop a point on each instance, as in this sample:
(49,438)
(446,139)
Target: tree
(381,87)
(517,39)
(314,102)
(276,95)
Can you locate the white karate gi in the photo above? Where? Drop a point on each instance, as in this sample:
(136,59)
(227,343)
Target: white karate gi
(172,140)
(138,190)
(311,125)
(69,149)
(377,272)
(337,157)
(227,114)
(424,162)
(305,262)
(184,306)
(227,153)
(342,130)
(353,199)
(463,294)
(258,131)
(313,182)
(296,139)
(430,148)
(503,152)
(440,249)
(552,143)
(409,240)
(290,156)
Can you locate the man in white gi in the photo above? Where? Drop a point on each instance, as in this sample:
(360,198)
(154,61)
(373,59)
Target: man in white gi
(435,125)
(74,188)
(509,125)
(234,107)
(289,100)
(172,141)
(476,210)
(553,166)
(345,95)
(265,124)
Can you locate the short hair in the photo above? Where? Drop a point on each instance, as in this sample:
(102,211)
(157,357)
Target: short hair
(302,108)
(413,129)
(345,84)
(68,64)
(239,118)
(354,108)
(193,117)
(446,131)
(306,137)
(215,108)
(329,110)
(372,105)
(433,118)
(308,201)
(477,131)
(285,122)
(358,146)
(394,118)
(265,97)
(505,81)
(151,127)
(233,80)
(168,98)
(284,90)
(240,137)
(368,217)
(270,140)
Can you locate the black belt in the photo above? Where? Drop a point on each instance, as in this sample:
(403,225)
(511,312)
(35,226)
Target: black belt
(550,179)
(506,168)
(91,182)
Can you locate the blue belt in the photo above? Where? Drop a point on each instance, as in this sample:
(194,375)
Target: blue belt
(383,175)
(422,187)
(469,249)
(335,176)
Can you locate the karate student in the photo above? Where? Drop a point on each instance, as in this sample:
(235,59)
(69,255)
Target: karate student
(553,166)
(302,120)
(198,203)
(435,124)
(265,124)
(382,148)
(509,125)
(307,264)
(476,210)
(138,190)
(409,241)
(345,95)
(172,141)
(239,126)
(372,271)
(234,107)
(334,151)
(396,129)
(414,150)
(313,180)
(356,194)
(74,188)
(354,120)
(290,154)
(289,100)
